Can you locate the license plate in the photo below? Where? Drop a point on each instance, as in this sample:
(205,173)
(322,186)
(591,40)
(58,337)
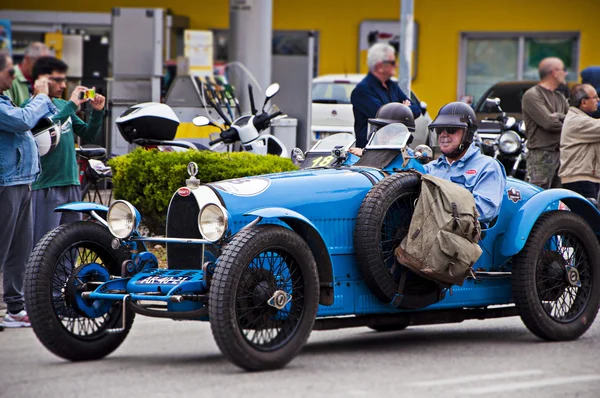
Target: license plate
(161,280)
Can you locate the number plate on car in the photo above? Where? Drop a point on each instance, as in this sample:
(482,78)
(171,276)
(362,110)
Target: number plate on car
(162,280)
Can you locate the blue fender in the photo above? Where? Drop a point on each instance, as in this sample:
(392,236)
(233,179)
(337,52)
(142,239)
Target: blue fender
(307,230)
(519,228)
(82,207)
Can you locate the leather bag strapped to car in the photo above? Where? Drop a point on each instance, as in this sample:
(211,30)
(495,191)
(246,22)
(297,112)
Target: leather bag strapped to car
(442,240)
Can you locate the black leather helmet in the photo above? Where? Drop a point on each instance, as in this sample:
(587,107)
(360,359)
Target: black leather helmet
(457,114)
(394,112)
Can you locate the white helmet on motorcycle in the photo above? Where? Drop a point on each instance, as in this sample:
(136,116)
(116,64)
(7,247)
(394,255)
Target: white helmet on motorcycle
(149,120)
(46,134)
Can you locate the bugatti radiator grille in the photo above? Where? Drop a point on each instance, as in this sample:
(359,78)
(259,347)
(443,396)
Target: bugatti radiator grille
(182,222)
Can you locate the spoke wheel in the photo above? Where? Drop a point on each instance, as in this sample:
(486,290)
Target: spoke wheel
(263,297)
(51,295)
(556,277)
(382,222)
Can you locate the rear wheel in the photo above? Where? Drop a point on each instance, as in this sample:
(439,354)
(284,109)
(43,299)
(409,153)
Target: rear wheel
(53,300)
(556,277)
(264,297)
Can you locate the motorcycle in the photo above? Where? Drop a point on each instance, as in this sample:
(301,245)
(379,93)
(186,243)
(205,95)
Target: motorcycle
(247,129)
(154,125)
(504,139)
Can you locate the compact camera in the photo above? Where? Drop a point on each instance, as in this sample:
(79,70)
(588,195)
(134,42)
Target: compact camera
(87,94)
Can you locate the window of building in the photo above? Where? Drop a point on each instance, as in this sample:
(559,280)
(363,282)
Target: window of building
(488,58)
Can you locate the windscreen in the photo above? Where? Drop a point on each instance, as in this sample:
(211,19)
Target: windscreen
(339,139)
(394,135)
(332,92)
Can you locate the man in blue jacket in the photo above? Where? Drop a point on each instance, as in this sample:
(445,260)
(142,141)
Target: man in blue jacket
(376,90)
(19,166)
(462,163)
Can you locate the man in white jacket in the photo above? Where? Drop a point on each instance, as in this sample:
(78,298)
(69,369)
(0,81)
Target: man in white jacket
(580,143)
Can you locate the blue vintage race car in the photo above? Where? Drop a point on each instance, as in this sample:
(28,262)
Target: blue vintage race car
(268,259)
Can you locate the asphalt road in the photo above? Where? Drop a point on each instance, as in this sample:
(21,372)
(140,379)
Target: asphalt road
(164,358)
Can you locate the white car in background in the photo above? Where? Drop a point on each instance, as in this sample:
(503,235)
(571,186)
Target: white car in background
(332,110)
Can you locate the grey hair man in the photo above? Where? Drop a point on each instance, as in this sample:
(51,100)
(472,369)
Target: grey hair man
(580,143)
(376,90)
(22,86)
(19,166)
(544,110)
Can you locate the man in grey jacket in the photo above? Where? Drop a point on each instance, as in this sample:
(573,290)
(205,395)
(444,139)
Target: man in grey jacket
(580,143)
(544,109)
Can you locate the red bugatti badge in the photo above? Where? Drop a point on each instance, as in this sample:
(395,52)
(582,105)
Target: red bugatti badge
(471,172)
(514,194)
(183,191)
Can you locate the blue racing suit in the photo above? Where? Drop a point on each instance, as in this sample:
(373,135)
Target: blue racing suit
(482,175)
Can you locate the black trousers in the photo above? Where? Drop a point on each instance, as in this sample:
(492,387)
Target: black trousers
(586,189)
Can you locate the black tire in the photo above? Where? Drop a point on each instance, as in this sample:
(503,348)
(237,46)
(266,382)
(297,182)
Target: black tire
(381,224)
(552,306)
(243,325)
(388,328)
(98,191)
(57,323)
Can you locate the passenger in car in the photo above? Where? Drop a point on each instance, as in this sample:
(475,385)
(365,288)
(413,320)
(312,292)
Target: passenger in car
(462,162)
(393,112)
(377,89)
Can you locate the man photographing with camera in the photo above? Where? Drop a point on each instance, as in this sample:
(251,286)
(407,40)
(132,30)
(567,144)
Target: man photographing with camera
(58,182)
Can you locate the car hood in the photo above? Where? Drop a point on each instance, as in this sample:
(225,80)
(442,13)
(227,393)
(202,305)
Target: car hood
(316,194)
(332,115)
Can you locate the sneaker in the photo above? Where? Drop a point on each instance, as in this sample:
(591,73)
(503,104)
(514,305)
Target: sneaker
(20,320)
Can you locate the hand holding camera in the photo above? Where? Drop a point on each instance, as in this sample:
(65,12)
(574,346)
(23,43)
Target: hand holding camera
(78,95)
(83,94)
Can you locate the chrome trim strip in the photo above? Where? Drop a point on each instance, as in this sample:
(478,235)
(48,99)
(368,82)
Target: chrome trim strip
(170,240)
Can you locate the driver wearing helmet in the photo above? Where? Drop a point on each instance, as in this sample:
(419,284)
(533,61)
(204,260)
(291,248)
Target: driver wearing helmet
(394,112)
(462,162)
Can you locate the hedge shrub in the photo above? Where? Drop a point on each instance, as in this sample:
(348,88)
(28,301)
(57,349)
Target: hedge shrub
(149,178)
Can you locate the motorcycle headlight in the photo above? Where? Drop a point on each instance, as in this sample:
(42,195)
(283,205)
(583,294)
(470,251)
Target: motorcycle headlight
(122,219)
(213,222)
(509,142)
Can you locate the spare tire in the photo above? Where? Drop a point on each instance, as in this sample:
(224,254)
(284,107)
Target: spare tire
(381,224)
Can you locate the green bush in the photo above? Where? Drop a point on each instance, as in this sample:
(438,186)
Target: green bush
(149,178)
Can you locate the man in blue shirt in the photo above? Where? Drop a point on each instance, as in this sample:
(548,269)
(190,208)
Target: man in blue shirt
(19,166)
(377,89)
(462,162)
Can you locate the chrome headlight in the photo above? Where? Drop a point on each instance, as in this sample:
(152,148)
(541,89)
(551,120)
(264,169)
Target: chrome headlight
(509,142)
(521,127)
(213,222)
(122,219)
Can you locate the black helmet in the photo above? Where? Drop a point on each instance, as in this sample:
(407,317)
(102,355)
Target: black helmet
(457,114)
(394,112)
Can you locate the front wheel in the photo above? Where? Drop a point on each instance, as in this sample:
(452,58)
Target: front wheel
(556,277)
(264,297)
(53,301)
